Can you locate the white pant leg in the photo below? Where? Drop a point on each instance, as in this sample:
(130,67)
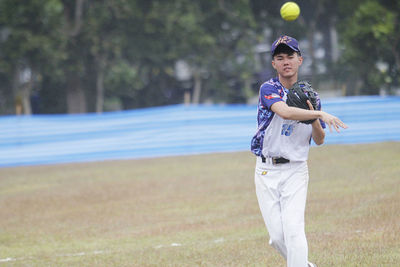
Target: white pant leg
(281,192)
(293,202)
(267,179)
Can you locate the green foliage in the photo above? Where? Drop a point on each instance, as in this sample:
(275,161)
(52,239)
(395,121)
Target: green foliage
(29,39)
(31,28)
(131,47)
(371,36)
(123,79)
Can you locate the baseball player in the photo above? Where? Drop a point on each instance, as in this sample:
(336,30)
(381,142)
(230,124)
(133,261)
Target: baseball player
(281,145)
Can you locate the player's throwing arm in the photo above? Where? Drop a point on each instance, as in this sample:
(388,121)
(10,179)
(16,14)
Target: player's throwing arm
(303,96)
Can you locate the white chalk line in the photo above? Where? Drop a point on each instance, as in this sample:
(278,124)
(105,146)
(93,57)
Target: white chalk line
(219,240)
(7,259)
(78,254)
(97,252)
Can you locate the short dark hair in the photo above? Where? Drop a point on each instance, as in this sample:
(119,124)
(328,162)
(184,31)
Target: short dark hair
(284,49)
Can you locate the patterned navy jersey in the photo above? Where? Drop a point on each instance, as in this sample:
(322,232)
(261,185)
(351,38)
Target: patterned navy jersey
(271,92)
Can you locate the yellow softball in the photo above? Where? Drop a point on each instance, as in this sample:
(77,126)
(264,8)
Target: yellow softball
(290,11)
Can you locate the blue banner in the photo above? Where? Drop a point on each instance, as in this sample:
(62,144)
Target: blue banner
(174,130)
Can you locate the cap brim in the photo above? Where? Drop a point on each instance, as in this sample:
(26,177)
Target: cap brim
(290,46)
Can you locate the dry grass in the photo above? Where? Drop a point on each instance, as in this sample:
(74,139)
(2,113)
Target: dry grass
(197,211)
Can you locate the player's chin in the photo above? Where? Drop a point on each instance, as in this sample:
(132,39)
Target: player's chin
(288,74)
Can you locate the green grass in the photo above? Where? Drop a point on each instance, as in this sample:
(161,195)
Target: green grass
(197,211)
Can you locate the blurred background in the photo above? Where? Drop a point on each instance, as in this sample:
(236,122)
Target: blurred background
(110,81)
(64,56)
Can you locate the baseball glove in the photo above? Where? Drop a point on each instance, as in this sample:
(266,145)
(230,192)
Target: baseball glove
(298,95)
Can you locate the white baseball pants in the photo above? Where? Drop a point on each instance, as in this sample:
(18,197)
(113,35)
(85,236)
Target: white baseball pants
(281,192)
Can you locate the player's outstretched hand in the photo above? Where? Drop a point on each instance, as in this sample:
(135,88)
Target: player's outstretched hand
(331,120)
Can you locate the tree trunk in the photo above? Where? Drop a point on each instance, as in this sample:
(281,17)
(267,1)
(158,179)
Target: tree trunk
(395,43)
(197,87)
(73,14)
(100,92)
(26,98)
(101,65)
(312,26)
(76,100)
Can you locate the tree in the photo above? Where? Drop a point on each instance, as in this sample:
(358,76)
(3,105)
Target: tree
(28,45)
(215,39)
(372,40)
(76,51)
(104,38)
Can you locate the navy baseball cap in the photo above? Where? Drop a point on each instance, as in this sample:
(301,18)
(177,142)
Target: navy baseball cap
(286,40)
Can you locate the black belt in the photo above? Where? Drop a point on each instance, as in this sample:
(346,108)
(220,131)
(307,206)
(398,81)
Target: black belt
(276,160)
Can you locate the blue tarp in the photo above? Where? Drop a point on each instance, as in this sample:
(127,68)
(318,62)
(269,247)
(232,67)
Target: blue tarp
(174,130)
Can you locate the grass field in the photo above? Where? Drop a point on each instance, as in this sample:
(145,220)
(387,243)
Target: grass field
(197,211)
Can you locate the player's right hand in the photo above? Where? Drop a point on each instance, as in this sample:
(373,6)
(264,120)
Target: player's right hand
(332,121)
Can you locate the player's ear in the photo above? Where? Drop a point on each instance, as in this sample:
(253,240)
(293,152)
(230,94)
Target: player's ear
(273,64)
(300,60)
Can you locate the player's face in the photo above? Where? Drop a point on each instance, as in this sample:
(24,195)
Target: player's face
(286,65)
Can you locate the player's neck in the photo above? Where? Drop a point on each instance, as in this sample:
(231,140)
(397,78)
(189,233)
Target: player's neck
(287,82)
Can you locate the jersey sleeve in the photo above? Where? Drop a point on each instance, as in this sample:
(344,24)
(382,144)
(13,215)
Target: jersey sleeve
(319,105)
(269,95)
